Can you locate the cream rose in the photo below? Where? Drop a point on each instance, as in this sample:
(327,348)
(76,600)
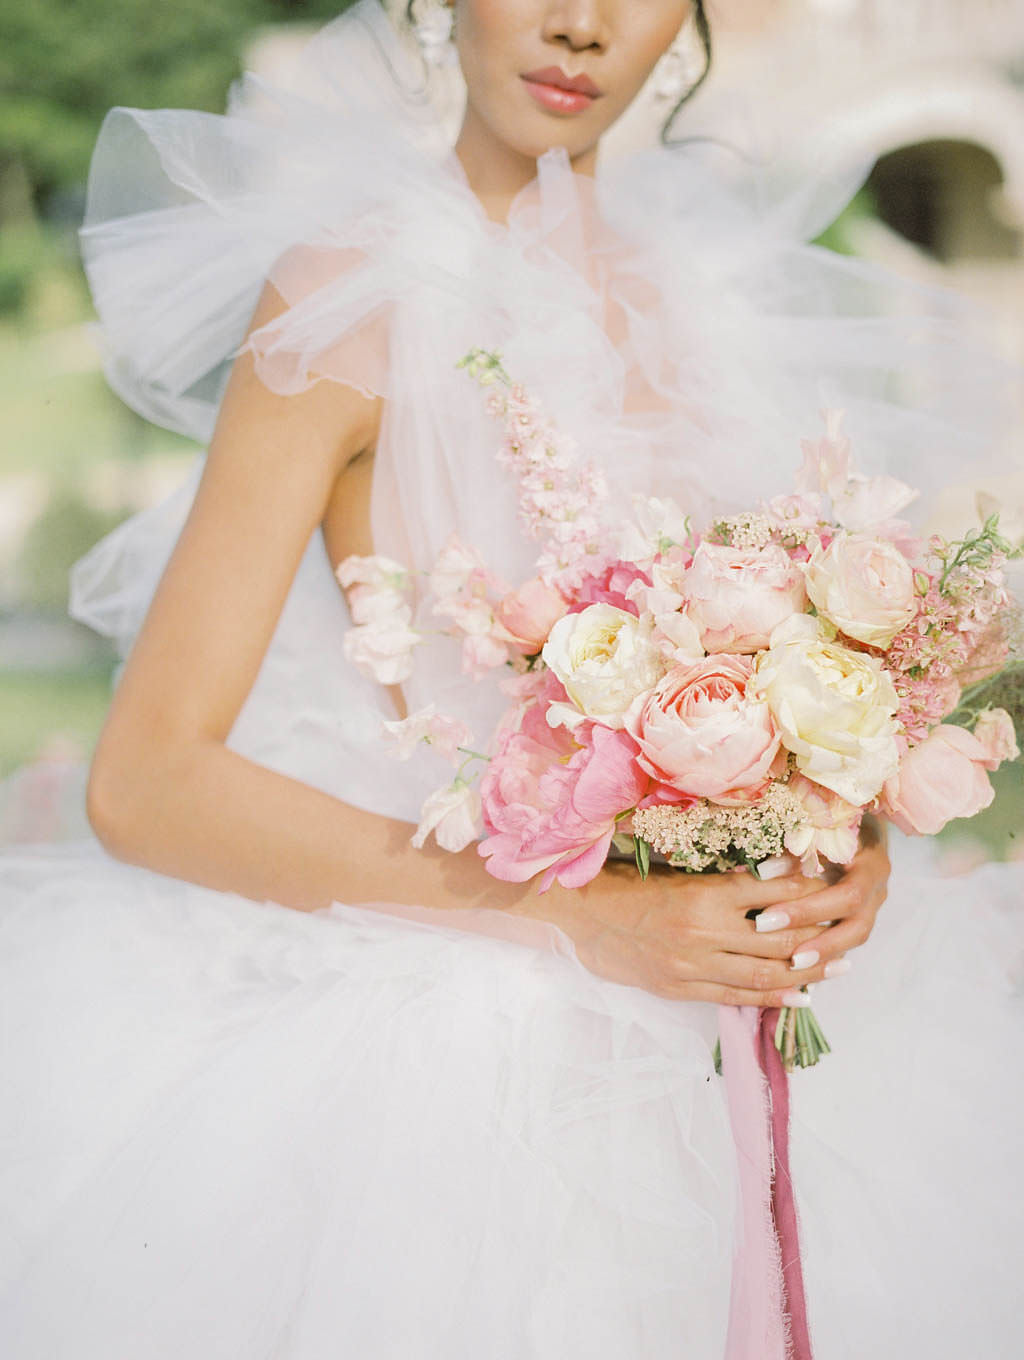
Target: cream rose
(604,657)
(736,597)
(834,708)
(699,731)
(865,586)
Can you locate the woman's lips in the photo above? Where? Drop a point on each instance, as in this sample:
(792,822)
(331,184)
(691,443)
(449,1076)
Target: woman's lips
(559,93)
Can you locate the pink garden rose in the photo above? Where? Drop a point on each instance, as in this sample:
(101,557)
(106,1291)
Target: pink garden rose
(529,614)
(737,597)
(552,813)
(942,778)
(865,586)
(698,732)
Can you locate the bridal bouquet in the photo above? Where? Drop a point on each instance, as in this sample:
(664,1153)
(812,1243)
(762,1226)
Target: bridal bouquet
(717,699)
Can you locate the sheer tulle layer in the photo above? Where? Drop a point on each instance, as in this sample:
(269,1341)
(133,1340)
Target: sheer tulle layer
(233,1130)
(667,313)
(230,1130)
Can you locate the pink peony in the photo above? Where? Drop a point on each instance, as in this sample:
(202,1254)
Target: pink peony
(612,586)
(942,778)
(698,732)
(736,598)
(529,614)
(550,815)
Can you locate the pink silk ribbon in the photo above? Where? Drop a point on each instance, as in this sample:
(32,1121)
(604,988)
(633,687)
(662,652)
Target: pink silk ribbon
(767,1309)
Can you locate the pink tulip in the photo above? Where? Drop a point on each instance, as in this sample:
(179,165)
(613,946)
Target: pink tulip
(941,778)
(530,613)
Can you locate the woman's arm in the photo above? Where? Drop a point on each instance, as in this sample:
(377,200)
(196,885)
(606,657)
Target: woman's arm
(166,792)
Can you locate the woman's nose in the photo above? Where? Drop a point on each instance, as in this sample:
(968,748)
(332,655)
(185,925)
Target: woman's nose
(579,24)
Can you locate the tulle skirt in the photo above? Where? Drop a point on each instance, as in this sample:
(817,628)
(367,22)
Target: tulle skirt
(230,1130)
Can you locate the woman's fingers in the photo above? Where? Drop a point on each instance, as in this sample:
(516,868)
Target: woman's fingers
(825,905)
(743,892)
(737,996)
(761,975)
(776,944)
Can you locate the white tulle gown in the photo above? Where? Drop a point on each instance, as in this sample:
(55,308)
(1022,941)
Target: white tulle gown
(229,1130)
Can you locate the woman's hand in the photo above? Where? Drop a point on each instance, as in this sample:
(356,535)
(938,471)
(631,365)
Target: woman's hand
(688,936)
(694,937)
(848,907)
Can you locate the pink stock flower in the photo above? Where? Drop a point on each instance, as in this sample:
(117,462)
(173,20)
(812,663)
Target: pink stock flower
(924,703)
(529,614)
(552,815)
(945,776)
(698,731)
(737,597)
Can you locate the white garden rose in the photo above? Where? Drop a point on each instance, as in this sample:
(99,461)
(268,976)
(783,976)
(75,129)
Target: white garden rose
(834,707)
(604,657)
(865,586)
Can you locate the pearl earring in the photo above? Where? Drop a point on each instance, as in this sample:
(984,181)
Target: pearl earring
(434,26)
(673,74)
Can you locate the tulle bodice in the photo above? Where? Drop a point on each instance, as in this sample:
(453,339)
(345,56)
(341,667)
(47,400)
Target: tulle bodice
(668,314)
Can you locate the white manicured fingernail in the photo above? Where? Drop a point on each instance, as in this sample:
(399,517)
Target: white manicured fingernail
(796,999)
(837,967)
(777,866)
(772,920)
(806,958)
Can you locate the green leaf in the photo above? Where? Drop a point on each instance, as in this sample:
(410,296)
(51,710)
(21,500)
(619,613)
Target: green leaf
(643,856)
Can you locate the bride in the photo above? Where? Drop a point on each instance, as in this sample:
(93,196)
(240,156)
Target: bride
(277,1083)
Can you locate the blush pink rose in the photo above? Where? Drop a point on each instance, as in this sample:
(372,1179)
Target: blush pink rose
(530,613)
(554,816)
(698,731)
(943,777)
(736,598)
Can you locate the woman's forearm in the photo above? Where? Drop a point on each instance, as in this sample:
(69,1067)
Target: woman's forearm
(214,817)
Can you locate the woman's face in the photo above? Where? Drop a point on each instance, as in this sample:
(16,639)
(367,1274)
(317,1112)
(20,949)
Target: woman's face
(558,73)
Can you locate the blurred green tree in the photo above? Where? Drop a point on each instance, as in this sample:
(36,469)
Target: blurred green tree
(64,63)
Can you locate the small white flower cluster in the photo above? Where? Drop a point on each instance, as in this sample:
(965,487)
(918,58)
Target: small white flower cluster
(705,835)
(748,532)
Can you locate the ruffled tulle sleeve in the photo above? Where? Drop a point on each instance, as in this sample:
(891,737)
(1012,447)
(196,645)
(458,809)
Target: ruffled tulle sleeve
(189,214)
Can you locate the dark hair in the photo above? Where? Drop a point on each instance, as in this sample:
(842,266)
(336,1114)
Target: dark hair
(703,27)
